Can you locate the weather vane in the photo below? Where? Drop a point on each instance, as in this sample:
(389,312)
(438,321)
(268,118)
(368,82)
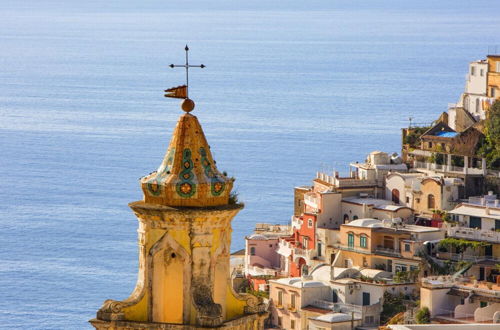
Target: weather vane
(182,92)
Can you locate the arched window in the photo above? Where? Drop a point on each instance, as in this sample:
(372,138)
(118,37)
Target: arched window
(355,217)
(252,251)
(431,202)
(395,196)
(346,218)
(304,270)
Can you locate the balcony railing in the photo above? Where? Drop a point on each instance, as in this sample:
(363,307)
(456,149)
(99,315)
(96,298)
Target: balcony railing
(447,168)
(306,254)
(466,257)
(311,201)
(344,182)
(474,234)
(387,251)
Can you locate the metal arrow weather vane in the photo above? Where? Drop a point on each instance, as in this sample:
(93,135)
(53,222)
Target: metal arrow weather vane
(182,92)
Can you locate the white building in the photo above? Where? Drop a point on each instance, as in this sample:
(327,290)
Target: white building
(462,299)
(354,208)
(475,97)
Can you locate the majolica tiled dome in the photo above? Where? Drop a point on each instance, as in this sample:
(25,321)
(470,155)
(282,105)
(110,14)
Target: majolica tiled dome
(188,175)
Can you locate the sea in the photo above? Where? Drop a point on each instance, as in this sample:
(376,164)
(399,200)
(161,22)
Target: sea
(289,88)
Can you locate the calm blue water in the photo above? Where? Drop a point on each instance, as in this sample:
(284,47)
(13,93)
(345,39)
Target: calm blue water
(288,89)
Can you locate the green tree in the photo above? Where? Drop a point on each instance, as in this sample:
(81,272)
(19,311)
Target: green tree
(423,316)
(490,148)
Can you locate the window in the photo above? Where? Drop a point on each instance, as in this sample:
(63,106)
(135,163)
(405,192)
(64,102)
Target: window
(407,200)
(477,105)
(305,242)
(497,224)
(395,196)
(401,268)
(481,72)
(280,298)
(498,66)
(280,321)
(483,304)
(430,144)
(350,240)
(355,217)
(319,249)
(309,223)
(292,324)
(346,218)
(407,247)
(335,297)
(492,91)
(292,300)
(475,222)
(366,298)
(252,251)
(270,245)
(362,241)
(431,203)
(472,71)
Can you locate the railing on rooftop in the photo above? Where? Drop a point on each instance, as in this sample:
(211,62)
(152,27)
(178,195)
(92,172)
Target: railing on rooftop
(474,234)
(344,182)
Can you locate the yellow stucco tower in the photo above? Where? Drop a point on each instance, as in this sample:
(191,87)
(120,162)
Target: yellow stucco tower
(184,239)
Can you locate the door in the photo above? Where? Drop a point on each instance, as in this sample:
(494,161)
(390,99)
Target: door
(488,250)
(366,298)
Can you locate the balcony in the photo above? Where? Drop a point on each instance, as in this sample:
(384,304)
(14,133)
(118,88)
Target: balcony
(312,201)
(447,168)
(466,257)
(387,251)
(474,234)
(303,253)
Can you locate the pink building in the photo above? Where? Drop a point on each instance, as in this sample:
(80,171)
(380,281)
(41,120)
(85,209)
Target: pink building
(261,256)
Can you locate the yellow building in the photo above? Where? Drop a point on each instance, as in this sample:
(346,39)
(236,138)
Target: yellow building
(184,241)
(493,76)
(372,243)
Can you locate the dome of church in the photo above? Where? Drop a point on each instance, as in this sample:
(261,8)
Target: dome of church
(187,176)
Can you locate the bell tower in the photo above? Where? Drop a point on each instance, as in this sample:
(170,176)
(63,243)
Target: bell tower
(184,242)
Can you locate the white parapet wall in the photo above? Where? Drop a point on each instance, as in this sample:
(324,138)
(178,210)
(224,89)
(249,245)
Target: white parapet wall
(486,313)
(466,310)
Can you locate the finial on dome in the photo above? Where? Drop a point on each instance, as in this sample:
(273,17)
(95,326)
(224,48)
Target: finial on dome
(183,91)
(187,105)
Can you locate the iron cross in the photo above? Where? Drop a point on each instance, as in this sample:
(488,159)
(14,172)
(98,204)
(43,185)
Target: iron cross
(187,66)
